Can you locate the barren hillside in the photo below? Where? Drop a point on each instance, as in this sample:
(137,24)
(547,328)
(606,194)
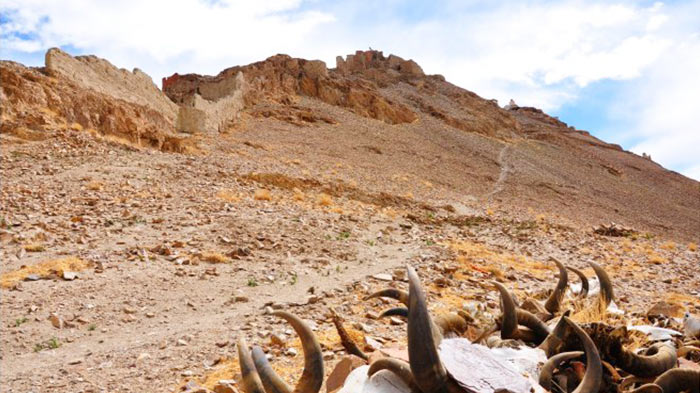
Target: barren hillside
(145,231)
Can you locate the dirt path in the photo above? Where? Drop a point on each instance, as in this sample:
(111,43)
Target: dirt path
(503,162)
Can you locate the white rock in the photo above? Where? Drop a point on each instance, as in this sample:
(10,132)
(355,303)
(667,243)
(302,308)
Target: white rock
(655,333)
(383,277)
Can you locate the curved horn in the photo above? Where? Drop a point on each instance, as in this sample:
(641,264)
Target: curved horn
(686,349)
(648,388)
(345,339)
(584,281)
(429,373)
(530,320)
(395,312)
(312,376)
(250,380)
(662,359)
(553,343)
(594,368)
(270,380)
(400,368)
(509,322)
(553,363)
(678,380)
(392,293)
(631,380)
(606,288)
(553,303)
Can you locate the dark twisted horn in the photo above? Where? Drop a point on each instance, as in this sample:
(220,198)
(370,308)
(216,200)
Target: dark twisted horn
(606,288)
(392,293)
(631,380)
(345,339)
(686,349)
(428,372)
(395,312)
(594,368)
(678,380)
(661,358)
(648,388)
(553,363)
(553,343)
(584,282)
(553,303)
(400,368)
(270,380)
(509,321)
(250,380)
(312,376)
(530,320)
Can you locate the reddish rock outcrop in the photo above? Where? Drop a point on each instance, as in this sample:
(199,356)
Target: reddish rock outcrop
(37,104)
(282,79)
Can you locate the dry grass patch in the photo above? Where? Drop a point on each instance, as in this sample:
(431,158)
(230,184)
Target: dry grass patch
(262,194)
(324,200)
(44,269)
(656,259)
(479,257)
(95,186)
(76,127)
(670,246)
(214,257)
(34,247)
(298,195)
(228,196)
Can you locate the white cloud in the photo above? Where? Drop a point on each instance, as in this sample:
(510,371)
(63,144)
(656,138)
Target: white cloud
(539,53)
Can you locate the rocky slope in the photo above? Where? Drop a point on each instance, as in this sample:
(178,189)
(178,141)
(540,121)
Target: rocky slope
(301,187)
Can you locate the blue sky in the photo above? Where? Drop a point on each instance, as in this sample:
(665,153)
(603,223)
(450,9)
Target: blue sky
(627,71)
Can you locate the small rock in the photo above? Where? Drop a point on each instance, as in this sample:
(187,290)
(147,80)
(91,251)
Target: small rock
(312,299)
(128,310)
(75,361)
(32,277)
(181,342)
(56,321)
(277,340)
(291,352)
(225,386)
(669,310)
(372,343)
(70,276)
(221,344)
(143,356)
(187,373)
(383,277)
(241,299)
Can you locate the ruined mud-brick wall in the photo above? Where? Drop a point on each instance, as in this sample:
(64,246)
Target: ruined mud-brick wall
(97,74)
(281,79)
(206,107)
